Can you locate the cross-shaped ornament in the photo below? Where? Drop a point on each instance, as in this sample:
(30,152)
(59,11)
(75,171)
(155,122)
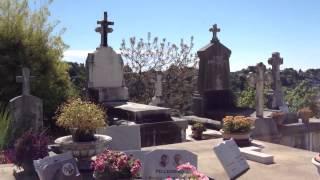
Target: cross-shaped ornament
(104,29)
(25,80)
(214,31)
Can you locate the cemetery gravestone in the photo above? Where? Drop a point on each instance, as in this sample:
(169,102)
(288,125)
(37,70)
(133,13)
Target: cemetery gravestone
(277,98)
(105,69)
(162,163)
(213,78)
(258,80)
(26,110)
(58,167)
(232,160)
(156,100)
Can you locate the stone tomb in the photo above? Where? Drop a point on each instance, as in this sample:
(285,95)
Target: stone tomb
(156,125)
(214,98)
(105,69)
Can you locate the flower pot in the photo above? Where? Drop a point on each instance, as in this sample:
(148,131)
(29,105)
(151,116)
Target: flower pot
(82,136)
(197,135)
(242,139)
(317,164)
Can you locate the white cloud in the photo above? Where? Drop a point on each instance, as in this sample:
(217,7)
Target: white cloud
(78,56)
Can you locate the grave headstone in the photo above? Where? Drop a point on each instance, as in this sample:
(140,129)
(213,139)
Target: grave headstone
(105,69)
(213,90)
(258,80)
(162,163)
(57,167)
(233,162)
(156,99)
(277,98)
(26,110)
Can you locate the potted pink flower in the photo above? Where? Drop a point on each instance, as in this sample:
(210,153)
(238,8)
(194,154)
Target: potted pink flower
(189,172)
(114,165)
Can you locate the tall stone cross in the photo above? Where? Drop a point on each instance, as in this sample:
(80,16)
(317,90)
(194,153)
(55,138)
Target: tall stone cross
(258,80)
(214,31)
(104,29)
(277,98)
(25,80)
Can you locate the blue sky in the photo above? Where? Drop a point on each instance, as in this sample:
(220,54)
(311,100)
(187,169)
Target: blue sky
(252,29)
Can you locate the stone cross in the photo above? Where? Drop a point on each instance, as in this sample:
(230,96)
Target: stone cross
(25,80)
(258,80)
(104,30)
(214,31)
(277,98)
(158,86)
(156,99)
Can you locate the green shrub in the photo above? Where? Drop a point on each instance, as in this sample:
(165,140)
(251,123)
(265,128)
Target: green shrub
(4,125)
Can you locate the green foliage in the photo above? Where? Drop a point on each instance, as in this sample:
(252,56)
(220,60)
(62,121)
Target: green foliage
(247,98)
(198,127)
(26,39)
(236,124)
(301,96)
(4,125)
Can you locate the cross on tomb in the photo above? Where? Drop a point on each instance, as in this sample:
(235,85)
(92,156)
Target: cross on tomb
(258,80)
(104,29)
(25,80)
(276,61)
(214,31)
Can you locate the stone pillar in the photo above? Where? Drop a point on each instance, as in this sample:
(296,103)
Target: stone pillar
(277,99)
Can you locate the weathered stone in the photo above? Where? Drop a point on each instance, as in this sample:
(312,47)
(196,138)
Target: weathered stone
(277,99)
(213,77)
(105,70)
(26,110)
(258,80)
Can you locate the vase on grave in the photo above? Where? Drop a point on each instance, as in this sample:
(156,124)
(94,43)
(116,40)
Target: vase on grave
(316,162)
(237,128)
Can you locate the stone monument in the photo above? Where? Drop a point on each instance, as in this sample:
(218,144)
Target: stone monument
(105,69)
(106,87)
(26,110)
(213,77)
(277,98)
(156,99)
(258,80)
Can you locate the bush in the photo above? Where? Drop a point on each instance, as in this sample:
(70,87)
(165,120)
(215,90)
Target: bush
(83,115)
(4,125)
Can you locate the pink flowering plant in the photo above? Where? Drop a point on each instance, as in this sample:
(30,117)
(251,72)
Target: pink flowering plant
(115,165)
(189,172)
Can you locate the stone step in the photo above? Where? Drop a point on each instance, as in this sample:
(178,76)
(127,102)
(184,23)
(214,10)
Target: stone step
(256,156)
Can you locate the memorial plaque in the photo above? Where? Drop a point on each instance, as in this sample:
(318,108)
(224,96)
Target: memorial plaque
(59,167)
(162,163)
(232,160)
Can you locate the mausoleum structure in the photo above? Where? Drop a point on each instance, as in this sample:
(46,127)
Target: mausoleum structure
(106,86)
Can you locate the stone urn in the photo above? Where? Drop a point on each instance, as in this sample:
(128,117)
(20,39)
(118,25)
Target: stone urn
(83,151)
(315,161)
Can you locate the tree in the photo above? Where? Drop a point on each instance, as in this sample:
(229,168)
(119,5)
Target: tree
(144,59)
(27,40)
(301,96)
